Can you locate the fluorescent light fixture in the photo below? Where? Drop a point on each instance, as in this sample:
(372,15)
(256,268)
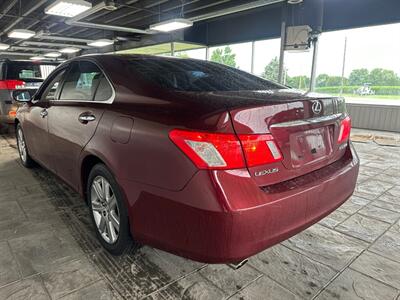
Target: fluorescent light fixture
(37,58)
(69,50)
(171,25)
(100,43)
(4,46)
(21,34)
(67,8)
(53,54)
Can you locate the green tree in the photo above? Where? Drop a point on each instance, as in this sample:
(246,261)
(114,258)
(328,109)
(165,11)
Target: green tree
(225,56)
(336,81)
(380,76)
(359,77)
(301,82)
(271,71)
(322,80)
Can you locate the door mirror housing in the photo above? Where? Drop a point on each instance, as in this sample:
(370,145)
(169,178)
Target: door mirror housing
(22,96)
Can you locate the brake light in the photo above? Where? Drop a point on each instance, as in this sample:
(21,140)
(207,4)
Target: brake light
(11,84)
(225,151)
(260,149)
(210,150)
(345,128)
(12,113)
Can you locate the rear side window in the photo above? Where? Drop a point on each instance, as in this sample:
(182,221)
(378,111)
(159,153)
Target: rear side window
(85,82)
(104,90)
(28,71)
(191,75)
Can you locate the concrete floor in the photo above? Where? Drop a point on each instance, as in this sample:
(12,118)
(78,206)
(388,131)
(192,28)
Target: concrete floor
(48,249)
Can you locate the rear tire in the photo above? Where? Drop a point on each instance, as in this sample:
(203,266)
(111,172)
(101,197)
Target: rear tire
(24,156)
(108,212)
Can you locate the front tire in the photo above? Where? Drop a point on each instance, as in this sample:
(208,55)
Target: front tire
(24,156)
(108,212)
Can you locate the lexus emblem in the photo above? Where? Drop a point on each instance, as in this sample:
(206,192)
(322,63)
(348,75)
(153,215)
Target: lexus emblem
(316,107)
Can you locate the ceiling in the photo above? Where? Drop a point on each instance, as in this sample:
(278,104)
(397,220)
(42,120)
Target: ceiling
(133,17)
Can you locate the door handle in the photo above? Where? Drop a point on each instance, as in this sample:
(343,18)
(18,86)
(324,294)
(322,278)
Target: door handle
(84,118)
(44,113)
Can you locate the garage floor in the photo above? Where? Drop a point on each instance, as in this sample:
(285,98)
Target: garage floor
(48,249)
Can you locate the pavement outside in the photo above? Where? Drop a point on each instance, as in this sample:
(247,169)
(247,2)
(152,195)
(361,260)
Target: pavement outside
(48,249)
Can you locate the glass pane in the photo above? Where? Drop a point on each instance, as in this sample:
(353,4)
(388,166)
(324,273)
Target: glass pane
(196,75)
(81,82)
(266,58)
(372,64)
(235,55)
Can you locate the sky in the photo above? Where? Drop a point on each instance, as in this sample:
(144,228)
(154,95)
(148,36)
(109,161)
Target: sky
(370,47)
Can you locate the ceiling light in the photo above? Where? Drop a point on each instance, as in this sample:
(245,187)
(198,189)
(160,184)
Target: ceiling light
(4,46)
(53,54)
(37,58)
(295,1)
(100,43)
(67,8)
(69,50)
(171,25)
(21,34)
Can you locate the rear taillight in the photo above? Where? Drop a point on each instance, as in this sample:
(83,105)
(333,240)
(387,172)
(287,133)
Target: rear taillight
(344,132)
(11,84)
(260,149)
(225,151)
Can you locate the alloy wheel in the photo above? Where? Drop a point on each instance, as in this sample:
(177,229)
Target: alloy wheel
(21,145)
(105,209)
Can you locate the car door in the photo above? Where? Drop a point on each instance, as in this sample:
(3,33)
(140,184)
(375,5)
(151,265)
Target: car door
(74,116)
(35,123)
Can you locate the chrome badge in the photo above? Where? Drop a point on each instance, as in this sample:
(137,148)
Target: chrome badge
(266,172)
(316,107)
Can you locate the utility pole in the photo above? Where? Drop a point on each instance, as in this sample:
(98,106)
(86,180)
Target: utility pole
(344,64)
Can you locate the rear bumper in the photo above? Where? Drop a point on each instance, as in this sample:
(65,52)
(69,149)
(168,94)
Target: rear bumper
(223,216)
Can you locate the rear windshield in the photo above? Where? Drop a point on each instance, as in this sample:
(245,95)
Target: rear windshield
(197,76)
(28,70)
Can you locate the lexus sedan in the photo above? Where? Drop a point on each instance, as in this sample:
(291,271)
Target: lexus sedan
(192,157)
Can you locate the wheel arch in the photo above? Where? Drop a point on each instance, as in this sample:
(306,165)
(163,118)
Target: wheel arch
(88,162)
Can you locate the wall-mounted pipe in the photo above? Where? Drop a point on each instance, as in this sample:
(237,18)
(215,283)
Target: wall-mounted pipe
(54,44)
(75,21)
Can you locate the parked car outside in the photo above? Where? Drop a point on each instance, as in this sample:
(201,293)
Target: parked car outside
(19,74)
(192,157)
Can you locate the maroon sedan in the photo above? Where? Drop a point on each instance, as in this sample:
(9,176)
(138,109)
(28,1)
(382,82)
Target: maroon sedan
(192,157)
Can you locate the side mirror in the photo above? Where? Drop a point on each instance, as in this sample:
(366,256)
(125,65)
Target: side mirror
(21,95)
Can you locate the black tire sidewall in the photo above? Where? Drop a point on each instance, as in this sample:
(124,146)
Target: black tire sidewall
(124,237)
(28,163)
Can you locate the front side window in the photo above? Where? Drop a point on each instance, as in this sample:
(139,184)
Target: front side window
(81,82)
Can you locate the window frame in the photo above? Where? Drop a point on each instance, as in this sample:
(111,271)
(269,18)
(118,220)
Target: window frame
(69,66)
(58,89)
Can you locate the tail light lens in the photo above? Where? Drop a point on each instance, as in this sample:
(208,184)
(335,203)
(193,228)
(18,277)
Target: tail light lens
(345,127)
(260,149)
(12,113)
(11,84)
(210,150)
(225,151)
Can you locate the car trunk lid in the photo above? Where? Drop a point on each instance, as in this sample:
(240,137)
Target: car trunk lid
(305,130)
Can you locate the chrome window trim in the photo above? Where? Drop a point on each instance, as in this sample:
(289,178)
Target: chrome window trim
(309,121)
